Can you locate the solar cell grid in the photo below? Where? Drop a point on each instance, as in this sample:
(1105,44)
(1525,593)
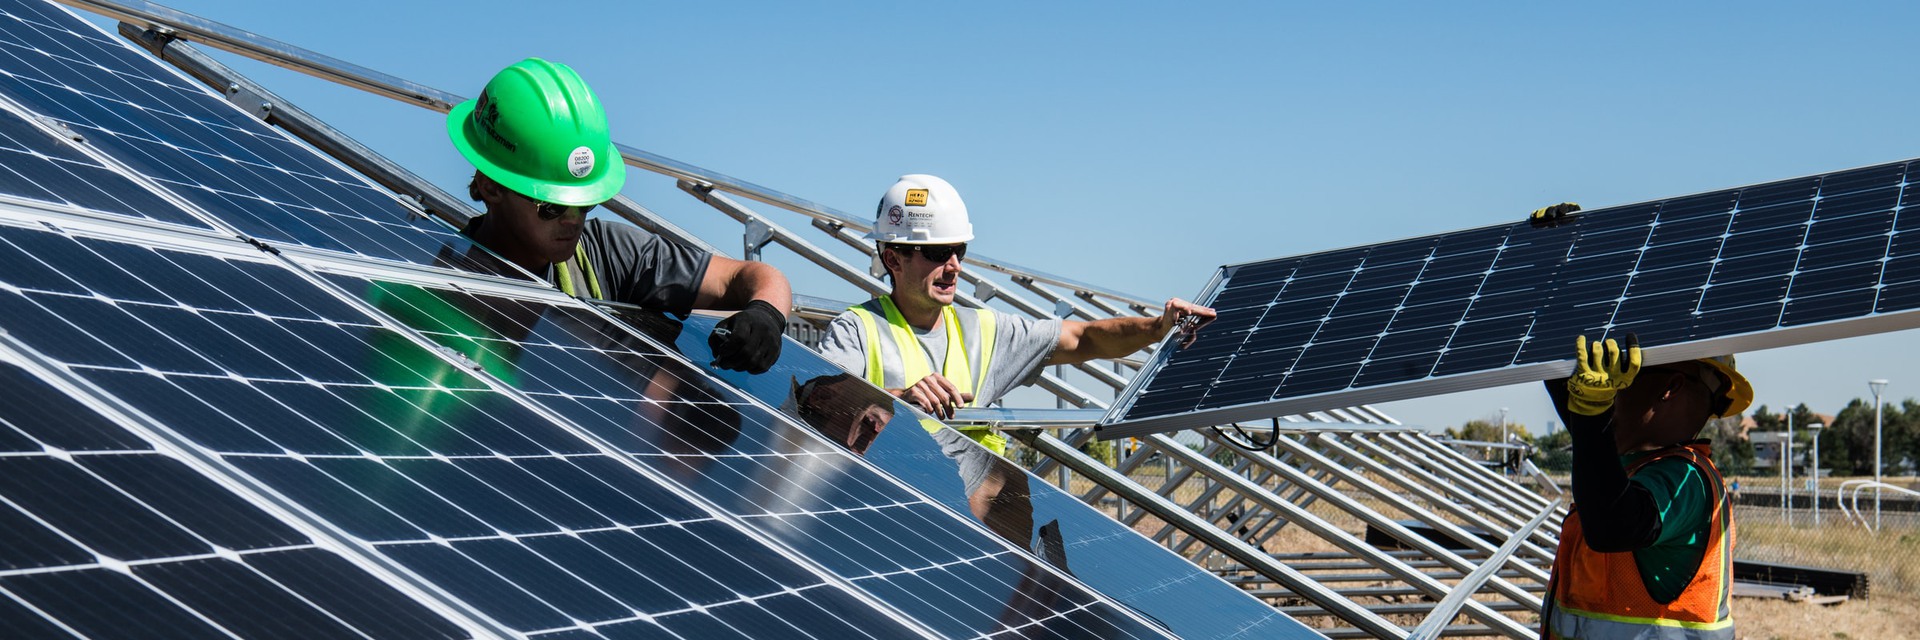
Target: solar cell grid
(192,143)
(411,452)
(1352,325)
(1028,513)
(37,166)
(105,535)
(809,494)
(403,451)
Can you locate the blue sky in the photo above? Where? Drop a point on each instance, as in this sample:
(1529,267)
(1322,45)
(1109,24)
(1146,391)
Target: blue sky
(1141,145)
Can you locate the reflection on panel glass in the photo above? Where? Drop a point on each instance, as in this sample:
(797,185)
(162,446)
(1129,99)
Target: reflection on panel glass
(190,141)
(1021,509)
(779,477)
(412,453)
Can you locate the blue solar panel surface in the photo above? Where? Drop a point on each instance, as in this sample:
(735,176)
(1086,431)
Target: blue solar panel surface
(1027,511)
(107,537)
(1784,254)
(403,451)
(230,166)
(811,495)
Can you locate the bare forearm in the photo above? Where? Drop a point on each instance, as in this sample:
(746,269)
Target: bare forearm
(1108,338)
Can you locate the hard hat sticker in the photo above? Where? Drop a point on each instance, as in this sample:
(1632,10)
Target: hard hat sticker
(580,162)
(894,214)
(916,197)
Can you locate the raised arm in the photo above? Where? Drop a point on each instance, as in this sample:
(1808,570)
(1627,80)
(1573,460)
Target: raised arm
(1116,337)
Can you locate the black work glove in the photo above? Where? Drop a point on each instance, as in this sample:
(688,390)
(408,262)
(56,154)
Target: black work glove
(1553,215)
(748,340)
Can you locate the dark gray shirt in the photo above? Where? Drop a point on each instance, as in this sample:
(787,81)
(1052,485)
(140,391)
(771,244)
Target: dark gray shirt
(637,267)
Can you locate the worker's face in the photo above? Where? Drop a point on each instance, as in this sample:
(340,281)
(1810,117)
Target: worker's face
(531,233)
(932,271)
(1663,407)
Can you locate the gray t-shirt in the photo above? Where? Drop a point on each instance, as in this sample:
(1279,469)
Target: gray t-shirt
(1021,347)
(637,267)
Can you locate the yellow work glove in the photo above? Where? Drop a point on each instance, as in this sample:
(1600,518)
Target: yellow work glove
(1601,372)
(1553,215)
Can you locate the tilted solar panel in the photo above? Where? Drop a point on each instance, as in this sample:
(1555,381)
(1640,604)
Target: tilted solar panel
(809,494)
(104,537)
(1025,510)
(401,453)
(1762,266)
(174,131)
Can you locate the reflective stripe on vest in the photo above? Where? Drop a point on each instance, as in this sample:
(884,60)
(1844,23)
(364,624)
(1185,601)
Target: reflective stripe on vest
(960,364)
(579,276)
(1601,596)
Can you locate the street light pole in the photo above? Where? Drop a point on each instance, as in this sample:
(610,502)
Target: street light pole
(1877,386)
(1814,470)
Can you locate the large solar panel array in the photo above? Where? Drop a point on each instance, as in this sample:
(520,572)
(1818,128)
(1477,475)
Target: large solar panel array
(272,444)
(1818,257)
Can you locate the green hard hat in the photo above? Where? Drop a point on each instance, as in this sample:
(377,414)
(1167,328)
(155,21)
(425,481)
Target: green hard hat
(538,130)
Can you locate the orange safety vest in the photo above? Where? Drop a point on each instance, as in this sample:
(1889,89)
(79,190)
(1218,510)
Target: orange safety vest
(1601,596)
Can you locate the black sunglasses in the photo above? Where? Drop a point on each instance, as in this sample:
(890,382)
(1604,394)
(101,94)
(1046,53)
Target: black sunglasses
(935,252)
(552,211)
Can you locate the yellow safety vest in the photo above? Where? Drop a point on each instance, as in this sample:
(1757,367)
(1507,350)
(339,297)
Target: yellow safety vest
(581,278)
(915,365)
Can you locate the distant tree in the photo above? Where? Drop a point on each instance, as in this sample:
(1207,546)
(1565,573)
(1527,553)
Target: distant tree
(1554,451)
(1899,428)
(1846,446)
(1487,430)
(1732,452)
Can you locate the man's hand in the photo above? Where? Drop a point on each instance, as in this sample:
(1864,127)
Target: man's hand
(936,395)
(1187,317)
(750,339)
(1600,373)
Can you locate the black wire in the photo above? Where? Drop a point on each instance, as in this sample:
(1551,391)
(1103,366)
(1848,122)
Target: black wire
(1246,441)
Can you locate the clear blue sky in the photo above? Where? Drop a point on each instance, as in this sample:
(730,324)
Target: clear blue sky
(1139,146)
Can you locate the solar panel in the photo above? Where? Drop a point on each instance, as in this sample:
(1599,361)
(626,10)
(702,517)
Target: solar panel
(225,163)
(1027,511)
(417,460)
(1762,266)
(106,536)
(812,496)
(414,453)
(37,166)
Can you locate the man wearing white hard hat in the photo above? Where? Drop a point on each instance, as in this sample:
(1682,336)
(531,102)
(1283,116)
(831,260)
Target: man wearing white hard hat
(955,358)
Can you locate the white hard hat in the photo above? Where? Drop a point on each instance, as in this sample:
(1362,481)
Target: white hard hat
(921,209)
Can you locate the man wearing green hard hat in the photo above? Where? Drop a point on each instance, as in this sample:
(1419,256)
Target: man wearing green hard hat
(537,138)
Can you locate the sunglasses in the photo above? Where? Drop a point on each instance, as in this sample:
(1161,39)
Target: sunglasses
(935,252)
(552,211)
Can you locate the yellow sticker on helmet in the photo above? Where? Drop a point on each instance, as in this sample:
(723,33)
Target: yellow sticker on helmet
(916,197)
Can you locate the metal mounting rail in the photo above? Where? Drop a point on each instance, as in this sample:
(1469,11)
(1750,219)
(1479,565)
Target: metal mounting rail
(1436,622)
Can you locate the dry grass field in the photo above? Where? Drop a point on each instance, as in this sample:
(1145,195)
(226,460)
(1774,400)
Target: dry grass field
(1891,560)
